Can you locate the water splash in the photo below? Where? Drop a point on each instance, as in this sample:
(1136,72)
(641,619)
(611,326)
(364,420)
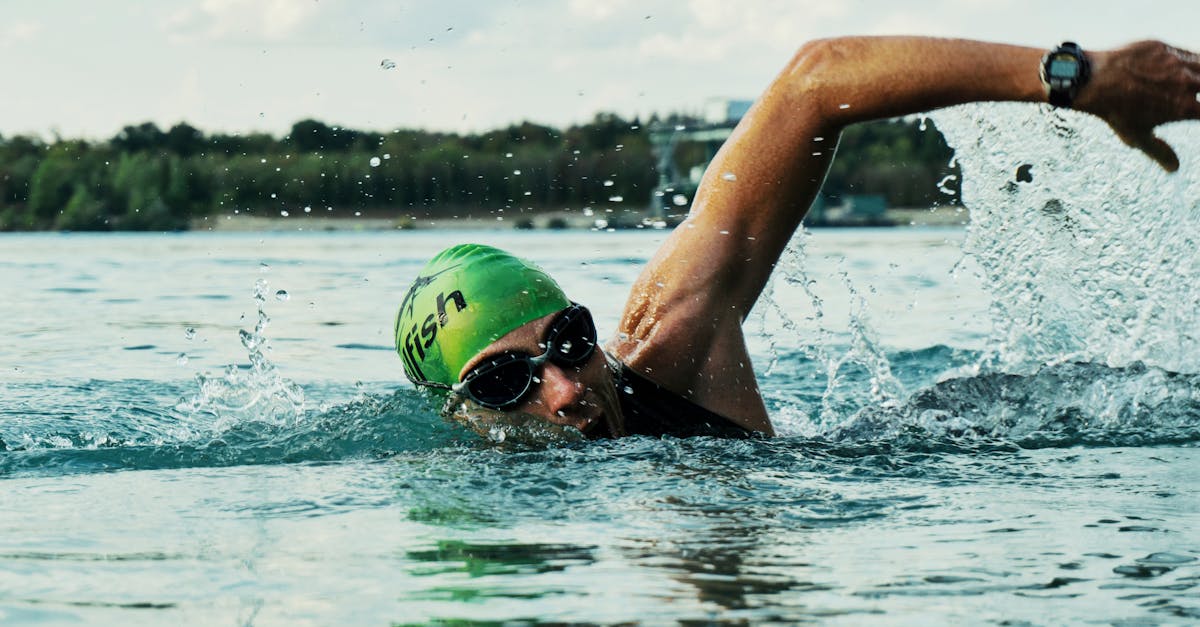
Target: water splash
(1087,252)
(864,349)
(1088,248)
(257,394)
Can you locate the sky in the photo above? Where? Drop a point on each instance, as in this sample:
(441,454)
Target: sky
(81,69)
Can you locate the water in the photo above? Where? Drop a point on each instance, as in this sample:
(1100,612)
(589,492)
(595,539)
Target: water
(995,425)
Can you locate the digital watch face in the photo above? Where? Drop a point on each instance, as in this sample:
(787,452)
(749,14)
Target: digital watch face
(1063,67)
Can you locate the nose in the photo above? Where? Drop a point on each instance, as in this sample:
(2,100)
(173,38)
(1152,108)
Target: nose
(561,393)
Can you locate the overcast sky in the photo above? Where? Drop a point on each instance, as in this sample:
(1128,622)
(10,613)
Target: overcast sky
(86,68)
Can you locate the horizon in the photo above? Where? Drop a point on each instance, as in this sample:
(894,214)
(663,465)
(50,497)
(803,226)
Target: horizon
(286,133)
(240,67)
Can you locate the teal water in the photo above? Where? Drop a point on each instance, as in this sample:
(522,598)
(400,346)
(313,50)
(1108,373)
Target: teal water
(996,425)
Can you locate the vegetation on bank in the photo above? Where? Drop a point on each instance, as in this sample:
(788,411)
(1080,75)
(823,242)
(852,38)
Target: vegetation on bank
(145,178)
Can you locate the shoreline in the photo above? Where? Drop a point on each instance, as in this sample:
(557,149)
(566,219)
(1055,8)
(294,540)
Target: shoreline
(944,216)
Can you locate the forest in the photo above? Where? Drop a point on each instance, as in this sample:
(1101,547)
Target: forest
(145,178)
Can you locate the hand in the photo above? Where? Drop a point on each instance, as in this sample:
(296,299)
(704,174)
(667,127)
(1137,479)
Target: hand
(1140,86)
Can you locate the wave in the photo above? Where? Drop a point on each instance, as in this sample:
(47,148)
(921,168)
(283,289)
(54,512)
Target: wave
(1060,405)
(92,427)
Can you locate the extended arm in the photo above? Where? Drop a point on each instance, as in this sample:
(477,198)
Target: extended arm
(682,323)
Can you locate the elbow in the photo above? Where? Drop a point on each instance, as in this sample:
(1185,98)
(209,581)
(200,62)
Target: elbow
(814,75)
(813,64)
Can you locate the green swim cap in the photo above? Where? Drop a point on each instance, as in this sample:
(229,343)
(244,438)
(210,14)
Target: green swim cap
(465,298)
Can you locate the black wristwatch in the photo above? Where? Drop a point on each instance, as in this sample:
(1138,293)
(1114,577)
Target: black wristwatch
(1065,70)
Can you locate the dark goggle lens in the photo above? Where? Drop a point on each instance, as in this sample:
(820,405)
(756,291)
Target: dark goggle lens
(501,383)
(573,337)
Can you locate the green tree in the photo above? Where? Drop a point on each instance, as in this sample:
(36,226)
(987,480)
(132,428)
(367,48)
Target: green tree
(83,212)
(184,140)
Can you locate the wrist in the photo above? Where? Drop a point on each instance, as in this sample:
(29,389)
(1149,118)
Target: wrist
(1065,71)
(1091,94)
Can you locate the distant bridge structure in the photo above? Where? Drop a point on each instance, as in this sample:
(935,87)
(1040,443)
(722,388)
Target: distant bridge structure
(675,189)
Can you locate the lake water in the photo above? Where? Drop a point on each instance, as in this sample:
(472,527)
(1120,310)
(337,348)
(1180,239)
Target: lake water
(991,425)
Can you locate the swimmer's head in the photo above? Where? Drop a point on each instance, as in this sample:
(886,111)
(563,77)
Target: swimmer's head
(467,297)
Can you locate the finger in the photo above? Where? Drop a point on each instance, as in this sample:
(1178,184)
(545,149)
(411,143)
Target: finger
(1187,56)
(1158,150)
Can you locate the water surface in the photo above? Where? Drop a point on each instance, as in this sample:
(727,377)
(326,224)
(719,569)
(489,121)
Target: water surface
(993,425)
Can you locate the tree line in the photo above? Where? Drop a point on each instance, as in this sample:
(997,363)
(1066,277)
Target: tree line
(145,178)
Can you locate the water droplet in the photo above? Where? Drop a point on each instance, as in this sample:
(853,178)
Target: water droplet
(308,210)
(923,126)
(729,176)
(284,213)
(628,390)
(616,199)
(843,106)
(496,434)
(375,162)
(508,155)
(516,173)
(565,347)
(608,183)
(189,333)
(587,211)
(387,64)
(282,295)
(182,359)
(680,127)
(679,200)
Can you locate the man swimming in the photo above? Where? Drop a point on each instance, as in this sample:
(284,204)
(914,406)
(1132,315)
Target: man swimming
(508,345)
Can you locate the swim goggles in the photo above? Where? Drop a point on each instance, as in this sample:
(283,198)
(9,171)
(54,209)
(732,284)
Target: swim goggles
(502,381)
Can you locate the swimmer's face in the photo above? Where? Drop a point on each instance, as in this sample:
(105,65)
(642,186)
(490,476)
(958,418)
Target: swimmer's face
(582,398)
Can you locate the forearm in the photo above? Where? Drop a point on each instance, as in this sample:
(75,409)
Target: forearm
(843,81)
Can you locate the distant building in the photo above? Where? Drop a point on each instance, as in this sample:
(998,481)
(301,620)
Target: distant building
(725,111)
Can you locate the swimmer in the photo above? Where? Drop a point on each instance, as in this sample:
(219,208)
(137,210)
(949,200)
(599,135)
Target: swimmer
(508,346)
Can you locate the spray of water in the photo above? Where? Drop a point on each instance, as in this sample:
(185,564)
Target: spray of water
(1088,248)
(864,350)
(1088,252)
(255,394)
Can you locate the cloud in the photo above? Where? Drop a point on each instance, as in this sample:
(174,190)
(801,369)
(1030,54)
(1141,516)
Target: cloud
(590,9)
(19,32)
(252,20)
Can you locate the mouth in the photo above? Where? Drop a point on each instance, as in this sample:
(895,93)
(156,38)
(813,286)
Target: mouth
(595,427)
